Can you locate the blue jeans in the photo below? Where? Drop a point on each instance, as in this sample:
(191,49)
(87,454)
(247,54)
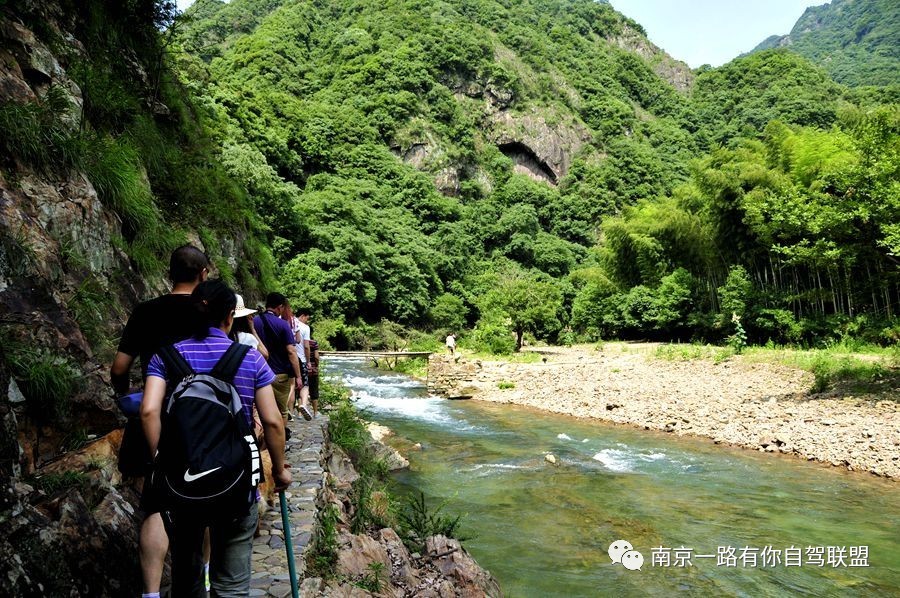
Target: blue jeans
(231,542)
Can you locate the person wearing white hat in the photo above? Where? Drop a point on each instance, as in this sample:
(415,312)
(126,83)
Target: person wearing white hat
(243,331)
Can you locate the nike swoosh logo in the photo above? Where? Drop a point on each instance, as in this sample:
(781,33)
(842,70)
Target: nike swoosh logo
(190,478)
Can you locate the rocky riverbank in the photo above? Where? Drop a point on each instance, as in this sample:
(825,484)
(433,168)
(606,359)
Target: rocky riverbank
(378,563)
(760,406)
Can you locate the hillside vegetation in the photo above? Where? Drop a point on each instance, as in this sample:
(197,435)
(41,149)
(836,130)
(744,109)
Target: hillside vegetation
(856,41)
(523,165)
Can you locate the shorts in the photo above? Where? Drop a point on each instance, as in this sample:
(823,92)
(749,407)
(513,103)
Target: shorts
(282,389)
(314,387)
(304,374)
(151,497)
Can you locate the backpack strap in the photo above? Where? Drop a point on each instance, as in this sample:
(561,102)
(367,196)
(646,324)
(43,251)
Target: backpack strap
(227,366)
(176,366)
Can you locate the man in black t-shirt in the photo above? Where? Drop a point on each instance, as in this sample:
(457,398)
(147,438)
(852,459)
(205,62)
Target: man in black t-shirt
(154,324)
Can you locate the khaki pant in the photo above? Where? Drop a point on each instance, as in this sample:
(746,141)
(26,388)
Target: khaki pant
(282,389)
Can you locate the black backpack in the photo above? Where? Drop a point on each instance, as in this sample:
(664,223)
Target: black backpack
(208,461)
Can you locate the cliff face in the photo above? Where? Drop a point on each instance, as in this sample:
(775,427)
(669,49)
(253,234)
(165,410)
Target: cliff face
(75,257)
(68,531)
(678,74)
(59,268)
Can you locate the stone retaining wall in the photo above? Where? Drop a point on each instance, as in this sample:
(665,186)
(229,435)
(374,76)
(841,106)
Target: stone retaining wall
(452,377)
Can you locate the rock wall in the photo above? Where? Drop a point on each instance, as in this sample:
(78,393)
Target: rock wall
(67,521)
(674,71)
(542,144)
(72,531)
(452,377)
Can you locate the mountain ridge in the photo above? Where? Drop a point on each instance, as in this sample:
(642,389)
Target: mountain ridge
(856,41)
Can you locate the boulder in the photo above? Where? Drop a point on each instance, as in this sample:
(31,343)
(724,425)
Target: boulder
(394,460)
(403,571)
(455,564)
(357,553)
(341,468)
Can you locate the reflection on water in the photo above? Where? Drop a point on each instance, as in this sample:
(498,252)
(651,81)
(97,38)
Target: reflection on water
(544,529)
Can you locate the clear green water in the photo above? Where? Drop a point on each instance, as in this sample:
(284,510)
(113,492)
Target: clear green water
(543,530)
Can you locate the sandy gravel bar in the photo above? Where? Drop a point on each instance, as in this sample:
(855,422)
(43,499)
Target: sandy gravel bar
(758,406)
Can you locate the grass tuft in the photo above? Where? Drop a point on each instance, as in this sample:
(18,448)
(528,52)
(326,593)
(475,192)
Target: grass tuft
(47,380)
(52,483)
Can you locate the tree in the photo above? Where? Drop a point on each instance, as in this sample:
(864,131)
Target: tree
(529,302)
(448,312)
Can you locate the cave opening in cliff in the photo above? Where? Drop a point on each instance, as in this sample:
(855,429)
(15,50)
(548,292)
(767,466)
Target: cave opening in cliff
(526,162)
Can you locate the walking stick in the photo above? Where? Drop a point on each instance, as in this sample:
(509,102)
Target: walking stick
(288,544)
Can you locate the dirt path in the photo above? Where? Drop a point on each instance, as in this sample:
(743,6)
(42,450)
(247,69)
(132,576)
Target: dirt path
(759,406)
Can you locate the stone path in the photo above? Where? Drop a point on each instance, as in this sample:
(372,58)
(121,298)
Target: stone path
(269,560)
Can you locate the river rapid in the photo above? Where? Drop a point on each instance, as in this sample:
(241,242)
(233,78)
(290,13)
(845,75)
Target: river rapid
(707,519)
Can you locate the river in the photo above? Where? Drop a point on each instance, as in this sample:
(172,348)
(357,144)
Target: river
(544,529)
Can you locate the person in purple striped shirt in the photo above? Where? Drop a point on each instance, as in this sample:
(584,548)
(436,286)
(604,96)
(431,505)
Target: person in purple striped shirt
(231,539)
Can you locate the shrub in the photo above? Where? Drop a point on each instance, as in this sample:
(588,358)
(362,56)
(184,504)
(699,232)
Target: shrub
(778,324)
(861,376)
(323,553)
(91,306)
(736,294)
(737,340)
(419,522)
(412,366)
(346,430)
(331,393)
(448,312)
(371,503)
(37,132)
(374,580)
(491,337)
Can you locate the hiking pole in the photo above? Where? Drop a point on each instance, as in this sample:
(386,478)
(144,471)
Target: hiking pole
(288,544)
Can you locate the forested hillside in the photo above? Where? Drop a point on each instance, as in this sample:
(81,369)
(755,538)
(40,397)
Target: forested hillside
(441,164)
(856,41)
(395,148)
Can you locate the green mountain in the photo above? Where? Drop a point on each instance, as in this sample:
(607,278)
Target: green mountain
(407,156)
(856,41)
(391,147)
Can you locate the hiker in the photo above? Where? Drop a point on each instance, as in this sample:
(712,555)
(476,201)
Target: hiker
(451,343)
(153,324)
(303,337)
(277,336)
(196,434)
(313,373)
(243,331)
(288,316)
